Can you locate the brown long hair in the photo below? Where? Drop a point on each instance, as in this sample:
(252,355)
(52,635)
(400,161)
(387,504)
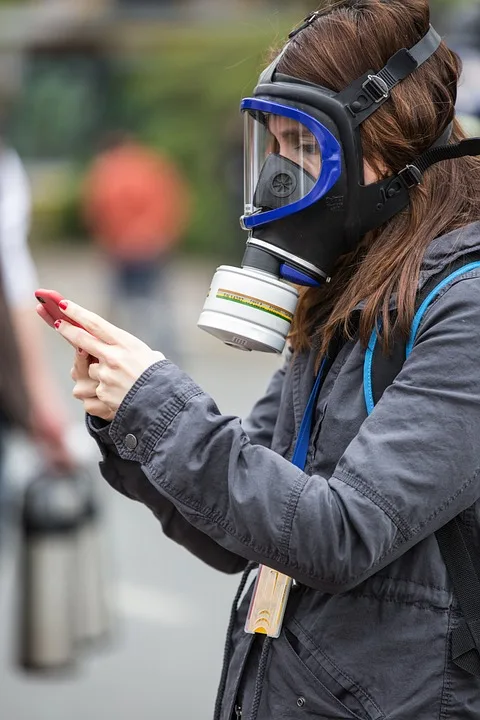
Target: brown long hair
(340,46)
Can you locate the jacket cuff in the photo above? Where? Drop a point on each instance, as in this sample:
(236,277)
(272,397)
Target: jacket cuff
(99,430)
(97,426)
(149,408)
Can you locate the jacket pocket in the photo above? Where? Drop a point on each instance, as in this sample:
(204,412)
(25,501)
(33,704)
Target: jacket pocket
(298,688)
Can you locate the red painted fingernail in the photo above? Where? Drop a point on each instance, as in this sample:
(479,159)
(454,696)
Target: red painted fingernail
(57,323)
(63,305)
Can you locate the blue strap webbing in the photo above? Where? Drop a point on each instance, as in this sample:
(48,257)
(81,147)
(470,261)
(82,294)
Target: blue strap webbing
(429,299)
(301,447)
(367,367)
(367,372)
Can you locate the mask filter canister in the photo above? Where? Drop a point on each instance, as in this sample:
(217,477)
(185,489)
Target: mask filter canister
(249,309)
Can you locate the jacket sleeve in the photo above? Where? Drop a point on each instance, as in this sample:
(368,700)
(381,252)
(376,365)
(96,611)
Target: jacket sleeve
(128,479)
(412,467)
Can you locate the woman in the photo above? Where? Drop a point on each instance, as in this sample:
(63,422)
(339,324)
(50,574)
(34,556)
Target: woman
(368,626)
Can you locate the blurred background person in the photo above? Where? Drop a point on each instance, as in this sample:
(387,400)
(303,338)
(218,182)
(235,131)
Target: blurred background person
(136,205)
(463,29)
(29,398)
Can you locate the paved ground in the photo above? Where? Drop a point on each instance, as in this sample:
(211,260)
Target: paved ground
(171,611)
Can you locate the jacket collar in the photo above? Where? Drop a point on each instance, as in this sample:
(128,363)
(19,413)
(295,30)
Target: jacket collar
(447,249)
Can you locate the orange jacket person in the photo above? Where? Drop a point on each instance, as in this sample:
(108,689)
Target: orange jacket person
(136,203)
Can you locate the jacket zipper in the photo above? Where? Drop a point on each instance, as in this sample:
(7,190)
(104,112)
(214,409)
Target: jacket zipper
(238,712)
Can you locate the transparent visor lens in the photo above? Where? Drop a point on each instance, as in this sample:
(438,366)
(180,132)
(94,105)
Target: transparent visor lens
(282,161)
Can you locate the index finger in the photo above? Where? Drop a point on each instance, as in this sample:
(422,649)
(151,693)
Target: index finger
(93,323)
(80,338)
(46,317)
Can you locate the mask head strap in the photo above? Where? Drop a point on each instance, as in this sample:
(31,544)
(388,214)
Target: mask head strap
(363,97)
(465,148)
(392,195)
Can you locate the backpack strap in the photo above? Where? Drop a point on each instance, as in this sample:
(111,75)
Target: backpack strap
(459,554)
(380,371)
(454,539)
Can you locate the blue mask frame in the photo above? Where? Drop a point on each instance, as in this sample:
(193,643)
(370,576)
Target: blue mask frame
(330,172)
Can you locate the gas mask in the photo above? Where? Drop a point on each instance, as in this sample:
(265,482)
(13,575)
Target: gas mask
(306,203)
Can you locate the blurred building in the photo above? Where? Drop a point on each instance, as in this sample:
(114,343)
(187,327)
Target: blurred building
(57,48)
(58,60)
(32,26)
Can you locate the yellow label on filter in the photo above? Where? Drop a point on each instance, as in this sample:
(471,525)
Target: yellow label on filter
(269,602)
(255,303)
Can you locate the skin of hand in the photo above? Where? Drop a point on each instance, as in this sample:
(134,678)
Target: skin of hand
(49,419)
(122,358)
(85,388)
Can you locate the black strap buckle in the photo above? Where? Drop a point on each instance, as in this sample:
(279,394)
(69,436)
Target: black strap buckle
(376,88)
(410,176)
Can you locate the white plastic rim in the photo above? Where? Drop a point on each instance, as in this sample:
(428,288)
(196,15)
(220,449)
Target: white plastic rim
(249,309)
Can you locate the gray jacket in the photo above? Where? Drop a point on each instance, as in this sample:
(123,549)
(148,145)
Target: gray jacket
(368,628)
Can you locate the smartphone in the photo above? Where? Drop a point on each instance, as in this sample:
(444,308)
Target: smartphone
(50,300)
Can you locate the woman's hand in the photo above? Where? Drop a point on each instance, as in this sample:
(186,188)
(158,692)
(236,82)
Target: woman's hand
(122,359)
(85,388)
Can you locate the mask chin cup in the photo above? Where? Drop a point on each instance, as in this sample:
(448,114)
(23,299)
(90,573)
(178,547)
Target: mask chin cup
(249,309)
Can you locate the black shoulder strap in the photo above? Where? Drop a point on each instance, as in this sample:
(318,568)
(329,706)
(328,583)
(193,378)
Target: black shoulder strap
(459,552)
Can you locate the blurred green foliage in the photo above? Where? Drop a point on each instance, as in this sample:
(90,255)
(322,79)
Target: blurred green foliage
(180,94)
(183,98)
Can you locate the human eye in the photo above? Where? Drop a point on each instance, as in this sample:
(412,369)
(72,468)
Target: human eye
(308,146)
(309,149)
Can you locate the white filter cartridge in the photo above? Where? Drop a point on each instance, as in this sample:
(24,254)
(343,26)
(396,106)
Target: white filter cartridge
(249,309)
